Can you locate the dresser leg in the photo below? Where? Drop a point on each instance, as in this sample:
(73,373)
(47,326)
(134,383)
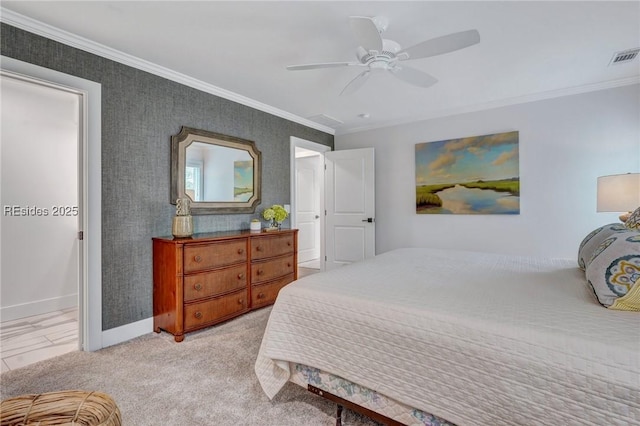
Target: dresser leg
(178,337)
(339,415)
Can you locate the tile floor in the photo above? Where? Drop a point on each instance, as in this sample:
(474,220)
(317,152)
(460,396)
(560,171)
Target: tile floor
(312,264)
(32,339)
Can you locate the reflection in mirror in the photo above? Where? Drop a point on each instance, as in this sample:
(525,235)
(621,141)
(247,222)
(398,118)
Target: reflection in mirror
(217,173)
(220,174)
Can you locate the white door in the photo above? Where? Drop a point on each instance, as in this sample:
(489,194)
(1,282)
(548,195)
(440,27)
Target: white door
(350,206)
(308,175)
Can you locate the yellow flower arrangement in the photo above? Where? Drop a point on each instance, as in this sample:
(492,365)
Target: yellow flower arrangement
(276,214)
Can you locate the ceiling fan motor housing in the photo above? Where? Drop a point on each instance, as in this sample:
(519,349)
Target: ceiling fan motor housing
(375,59)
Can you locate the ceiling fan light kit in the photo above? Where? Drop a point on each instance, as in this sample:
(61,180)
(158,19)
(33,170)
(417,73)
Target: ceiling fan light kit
(377,54)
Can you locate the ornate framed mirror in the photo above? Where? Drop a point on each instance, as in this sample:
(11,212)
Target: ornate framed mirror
(218,173)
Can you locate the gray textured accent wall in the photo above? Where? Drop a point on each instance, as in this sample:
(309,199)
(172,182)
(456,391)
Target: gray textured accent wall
(140,112)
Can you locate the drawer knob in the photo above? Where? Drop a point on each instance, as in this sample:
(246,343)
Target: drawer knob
(197,258)
(240,276)
(240,251)
(288,243)
(260,295)
(288,265)
(258,248)
(259,272)
(240,301)
(198,315)
(198,286)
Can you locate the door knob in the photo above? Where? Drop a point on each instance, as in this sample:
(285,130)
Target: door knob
(369,219)
(317,217)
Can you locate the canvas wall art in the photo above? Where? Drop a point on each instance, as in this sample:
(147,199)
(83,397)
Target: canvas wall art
(242,180)
(473,175)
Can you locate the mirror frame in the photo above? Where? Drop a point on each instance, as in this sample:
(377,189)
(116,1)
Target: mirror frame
(179,144)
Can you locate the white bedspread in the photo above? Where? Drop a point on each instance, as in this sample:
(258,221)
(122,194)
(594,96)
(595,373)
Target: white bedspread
(478,339)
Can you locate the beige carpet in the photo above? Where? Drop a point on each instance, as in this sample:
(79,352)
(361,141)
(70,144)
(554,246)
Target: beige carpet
(206,380)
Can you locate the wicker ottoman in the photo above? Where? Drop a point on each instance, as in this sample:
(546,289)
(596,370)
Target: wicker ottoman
(74,407)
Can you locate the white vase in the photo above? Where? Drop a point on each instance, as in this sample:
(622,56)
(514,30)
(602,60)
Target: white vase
(182,226)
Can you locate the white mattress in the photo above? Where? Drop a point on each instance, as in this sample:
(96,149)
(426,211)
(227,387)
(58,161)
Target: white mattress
(478,339)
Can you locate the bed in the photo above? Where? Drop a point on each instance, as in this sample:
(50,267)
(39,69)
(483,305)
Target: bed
(438,337)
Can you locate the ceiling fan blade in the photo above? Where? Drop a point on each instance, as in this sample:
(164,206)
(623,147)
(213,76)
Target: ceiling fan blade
(366,33)
(413,76)
(444,44)
(320,65)
(356,83)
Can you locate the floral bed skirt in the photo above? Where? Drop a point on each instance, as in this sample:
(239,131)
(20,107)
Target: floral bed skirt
(303,375)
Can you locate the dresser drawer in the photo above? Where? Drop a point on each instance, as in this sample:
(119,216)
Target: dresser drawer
(265,294)
(207,284)
(271,269)
(198,314)
(202,257)
(271,245)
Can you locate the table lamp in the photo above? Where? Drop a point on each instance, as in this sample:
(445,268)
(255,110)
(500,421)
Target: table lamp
(619,193)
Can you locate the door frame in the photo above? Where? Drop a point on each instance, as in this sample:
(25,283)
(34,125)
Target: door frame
(296,142)
(89,194)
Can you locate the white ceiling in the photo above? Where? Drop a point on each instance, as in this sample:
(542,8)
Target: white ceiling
(528,50)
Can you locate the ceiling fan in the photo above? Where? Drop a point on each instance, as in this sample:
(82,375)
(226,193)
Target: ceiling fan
(377,54)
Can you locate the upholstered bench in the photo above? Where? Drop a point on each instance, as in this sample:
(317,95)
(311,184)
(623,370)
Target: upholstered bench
(72,407)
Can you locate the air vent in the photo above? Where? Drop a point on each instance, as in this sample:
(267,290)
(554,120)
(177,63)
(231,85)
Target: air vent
(326,120)
(624,56)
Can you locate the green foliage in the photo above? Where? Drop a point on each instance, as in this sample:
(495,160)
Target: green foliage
(425,195)
(512,186)
(276,212)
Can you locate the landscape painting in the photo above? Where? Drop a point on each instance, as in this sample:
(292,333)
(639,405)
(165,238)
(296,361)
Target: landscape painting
(242,180)
(473,175)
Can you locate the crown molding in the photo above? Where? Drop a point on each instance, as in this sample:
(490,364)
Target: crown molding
(40,28)
(498,104)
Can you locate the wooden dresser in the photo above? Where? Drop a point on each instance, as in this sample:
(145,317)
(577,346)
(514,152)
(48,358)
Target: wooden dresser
(210,278)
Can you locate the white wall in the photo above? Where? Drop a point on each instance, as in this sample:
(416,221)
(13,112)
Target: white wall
(40,206)
(565,144)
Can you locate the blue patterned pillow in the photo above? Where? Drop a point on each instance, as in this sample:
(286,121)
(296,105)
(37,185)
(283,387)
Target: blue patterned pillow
(593,240)
(634,220)
(614,268)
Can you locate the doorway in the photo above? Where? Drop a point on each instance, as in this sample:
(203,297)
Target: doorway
(332,205)
(40,250)
(307,202)
(88,291)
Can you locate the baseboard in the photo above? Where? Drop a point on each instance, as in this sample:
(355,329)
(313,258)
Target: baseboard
(113,336)
(38,307)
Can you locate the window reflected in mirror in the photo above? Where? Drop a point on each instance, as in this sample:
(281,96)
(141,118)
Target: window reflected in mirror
(193,181)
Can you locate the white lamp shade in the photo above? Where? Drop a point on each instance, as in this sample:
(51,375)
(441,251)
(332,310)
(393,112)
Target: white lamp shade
(619,193)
